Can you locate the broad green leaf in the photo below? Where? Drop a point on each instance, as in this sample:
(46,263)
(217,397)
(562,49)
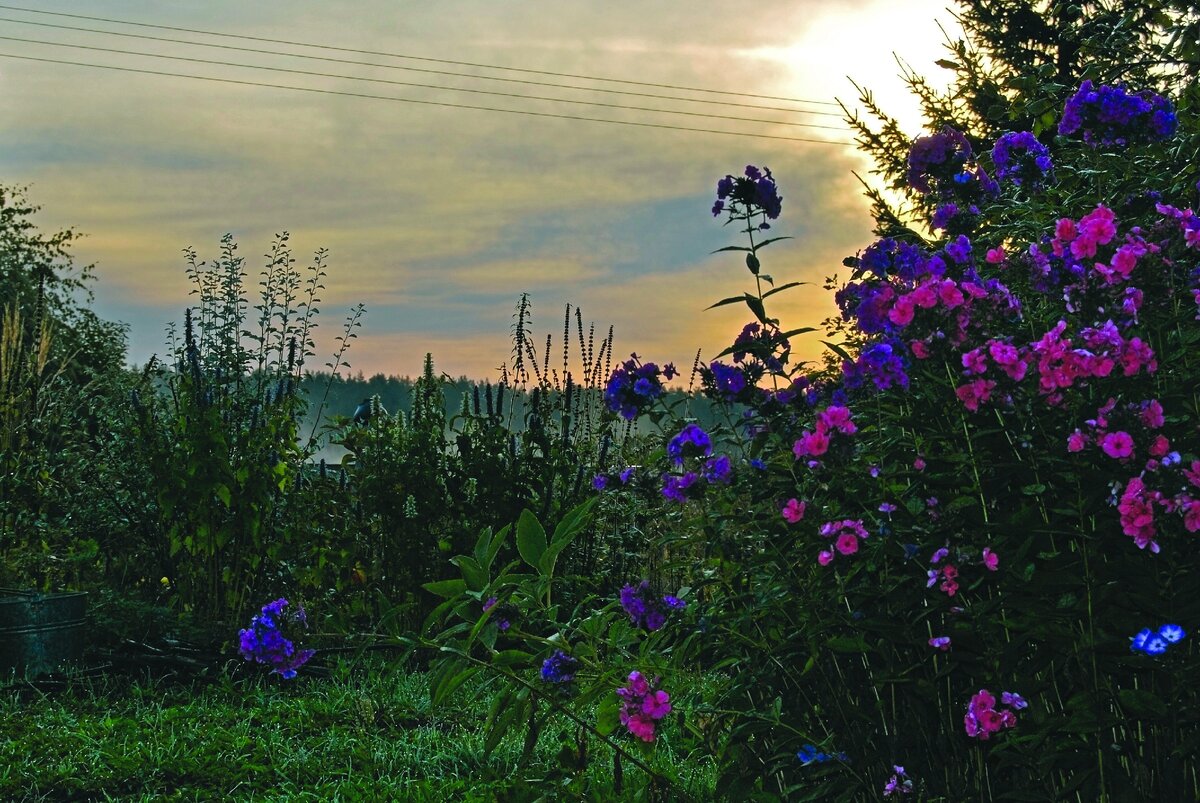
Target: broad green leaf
(531,538)
(608,714)
(446,588)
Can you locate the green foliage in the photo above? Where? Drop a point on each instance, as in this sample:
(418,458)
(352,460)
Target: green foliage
(218,431)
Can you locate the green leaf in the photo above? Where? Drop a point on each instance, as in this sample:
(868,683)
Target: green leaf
(473,573)
(726,302)
(446,588)
(223,493)
(1142,704)
(838,350)
(803,330)
(531,538)
(847,644)
(768,241)
(783,287)
(510,657)
(730,248)
(756,306)
(608,714)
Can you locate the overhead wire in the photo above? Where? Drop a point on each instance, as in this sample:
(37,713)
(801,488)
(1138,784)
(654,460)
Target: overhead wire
(524,112)
(330,59)
(418,85)
(412,57)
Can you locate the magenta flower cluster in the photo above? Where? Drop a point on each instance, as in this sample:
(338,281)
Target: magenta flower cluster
(1112,115)
(832,421)
(266,640)
(643,705)
(983,718)
(845,534)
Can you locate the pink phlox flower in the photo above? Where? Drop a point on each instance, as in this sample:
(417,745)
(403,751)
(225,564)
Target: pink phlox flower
(995,256)
(1191,514)
(949,294)
(811,444)
(1193,473)
(1117,445)
(836,418)
(1152,414)
(847,544)
(990,559)
(926,295)
(1160,446)
(974,362)
(919,464)
(1136,508)
(793,511)
(824,557)
(901,313)
(920,349)
(656,705)
(1076,441)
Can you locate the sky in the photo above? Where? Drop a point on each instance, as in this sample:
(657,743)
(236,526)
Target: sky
(437,218)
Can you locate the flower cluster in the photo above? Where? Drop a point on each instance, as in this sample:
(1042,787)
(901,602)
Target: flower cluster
(634,386)
(505,613)
(982,719)
(809,754)
(846,535)
(645,608)
(1110,115)
(899,784)
(1021,159)
(1155,642)
(937,159)
(831,421)
(694,442)
(748,195)
(881,363)
(266,643)
(559,668)
(642,706)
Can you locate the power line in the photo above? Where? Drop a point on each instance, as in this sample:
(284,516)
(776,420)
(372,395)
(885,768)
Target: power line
(263,52)
(415,58)
(421,86)
(424,102)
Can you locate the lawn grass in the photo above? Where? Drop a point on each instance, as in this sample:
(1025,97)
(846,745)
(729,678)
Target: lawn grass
(367,733)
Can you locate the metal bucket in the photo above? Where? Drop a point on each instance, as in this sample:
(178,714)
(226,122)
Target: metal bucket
(40,632)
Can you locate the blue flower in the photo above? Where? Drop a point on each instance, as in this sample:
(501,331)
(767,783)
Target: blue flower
(1171,633)
(1156,645)
(559,668)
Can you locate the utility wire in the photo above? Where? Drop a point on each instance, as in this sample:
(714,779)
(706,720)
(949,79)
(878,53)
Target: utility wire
(262,52)
(414,58)
(421,86)
(424,102)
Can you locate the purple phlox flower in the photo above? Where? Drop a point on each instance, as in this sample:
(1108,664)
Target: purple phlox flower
(1015,700)
(692,441)
(718,469)
(646,609)
(265,641)
(898,784)
(1020,158)
(675,486)
(559,668)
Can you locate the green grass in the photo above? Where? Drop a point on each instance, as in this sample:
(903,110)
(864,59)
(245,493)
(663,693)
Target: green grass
(366,734)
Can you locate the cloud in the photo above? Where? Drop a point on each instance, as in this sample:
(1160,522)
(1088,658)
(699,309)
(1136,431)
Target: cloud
(438,218)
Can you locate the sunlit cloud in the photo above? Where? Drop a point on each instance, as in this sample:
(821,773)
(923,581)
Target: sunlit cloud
(438,218)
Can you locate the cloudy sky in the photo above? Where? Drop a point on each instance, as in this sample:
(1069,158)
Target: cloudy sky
(438,218)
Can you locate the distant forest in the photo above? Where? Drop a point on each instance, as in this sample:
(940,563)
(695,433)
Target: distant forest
(332,397)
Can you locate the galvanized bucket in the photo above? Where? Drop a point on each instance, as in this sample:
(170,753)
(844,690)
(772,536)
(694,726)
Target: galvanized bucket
(40,633)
